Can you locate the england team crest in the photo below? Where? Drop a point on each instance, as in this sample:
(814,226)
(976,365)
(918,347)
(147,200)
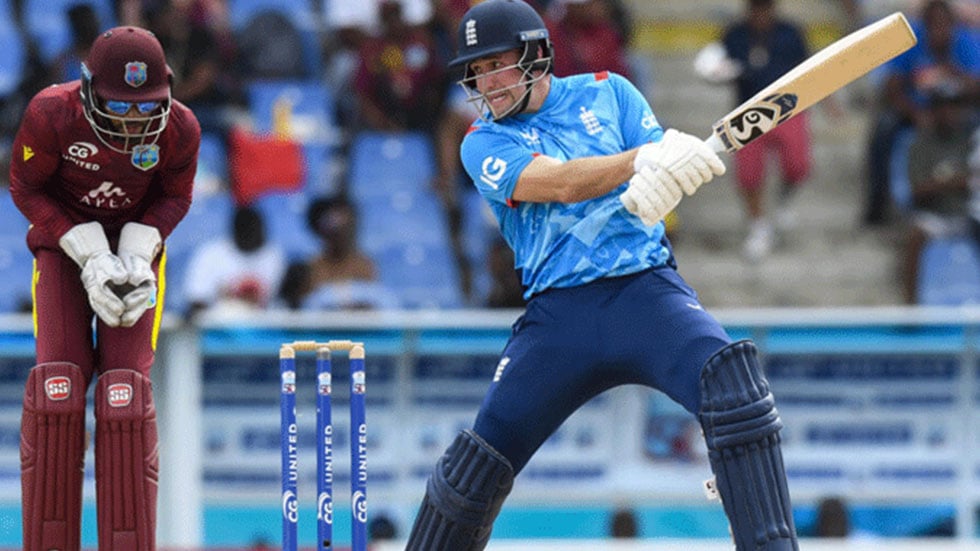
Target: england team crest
(145,157)
(135,73)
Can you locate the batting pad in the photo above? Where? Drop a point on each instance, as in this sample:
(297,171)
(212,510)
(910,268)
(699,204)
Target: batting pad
(741,427)
(126,461)
(52,456)
(463,497)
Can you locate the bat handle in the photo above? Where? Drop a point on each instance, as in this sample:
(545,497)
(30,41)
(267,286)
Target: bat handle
(715,143)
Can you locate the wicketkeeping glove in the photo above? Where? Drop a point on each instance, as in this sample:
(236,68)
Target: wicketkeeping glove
(689,160)
(139,244)
(87,245)
(651,195)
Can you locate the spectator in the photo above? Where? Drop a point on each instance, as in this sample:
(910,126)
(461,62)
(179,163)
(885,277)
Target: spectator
(832,519)
(592,42)
(203,55)
(237,274)
(85,27)
(765,47)
(341,276)
(623,524)
(400,80)
(945,51)
(938,174)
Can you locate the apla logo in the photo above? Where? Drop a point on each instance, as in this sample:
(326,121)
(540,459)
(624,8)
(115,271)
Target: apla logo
(78,154)
(146,157)
(471,32)
(107,195)
(591,122)
(135,73)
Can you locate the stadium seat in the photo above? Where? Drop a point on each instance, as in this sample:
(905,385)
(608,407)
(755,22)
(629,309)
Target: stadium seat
(16,261)
(47,23)
(308,105)
(208,218)
(12,54)
(285,222)
(949,272)
(382,163)
(421,276)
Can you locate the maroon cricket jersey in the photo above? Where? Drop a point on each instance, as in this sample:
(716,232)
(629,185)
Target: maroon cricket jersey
(61,174)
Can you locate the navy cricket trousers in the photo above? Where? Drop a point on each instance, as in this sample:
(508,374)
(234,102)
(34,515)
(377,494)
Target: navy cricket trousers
(572,344)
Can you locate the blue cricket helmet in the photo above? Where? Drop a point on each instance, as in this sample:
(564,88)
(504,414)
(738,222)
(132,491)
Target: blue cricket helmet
(496,26)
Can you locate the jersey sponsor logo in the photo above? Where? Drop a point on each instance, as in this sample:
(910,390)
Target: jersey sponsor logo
(591,122)
(79,153)
(119,395)
(57,388)
(108,195)
(28,153)
(493,171)
(649,121)
(82,150)
(145,157)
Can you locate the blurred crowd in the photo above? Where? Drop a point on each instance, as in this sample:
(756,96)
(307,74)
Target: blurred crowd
(382,67)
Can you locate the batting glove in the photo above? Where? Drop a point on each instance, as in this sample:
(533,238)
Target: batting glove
(686,158)
(87,245)
(139,244)
(651,195)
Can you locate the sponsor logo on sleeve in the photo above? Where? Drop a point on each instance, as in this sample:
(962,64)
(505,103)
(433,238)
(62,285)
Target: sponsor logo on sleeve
(493,171)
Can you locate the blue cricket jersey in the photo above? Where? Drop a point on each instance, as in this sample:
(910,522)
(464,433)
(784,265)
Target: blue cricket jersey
(568,244)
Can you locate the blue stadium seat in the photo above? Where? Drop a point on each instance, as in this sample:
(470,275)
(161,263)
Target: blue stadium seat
(309,102)
(421,276)
(12,53)
(16,261)
(478,232)
(285,222)
(949,272)
(47,22)
(212,161)
(382,163)
(208,218)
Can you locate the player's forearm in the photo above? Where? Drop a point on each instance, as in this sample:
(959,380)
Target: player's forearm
(549,180)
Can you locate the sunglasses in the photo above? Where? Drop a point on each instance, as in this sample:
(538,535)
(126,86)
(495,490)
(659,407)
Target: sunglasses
(122,107)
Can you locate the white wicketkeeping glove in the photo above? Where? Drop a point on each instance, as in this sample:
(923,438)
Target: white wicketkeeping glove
(685,157)
(651,195)
(139,244)
(87,245)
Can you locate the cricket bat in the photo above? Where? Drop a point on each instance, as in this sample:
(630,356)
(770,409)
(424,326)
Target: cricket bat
(822,74)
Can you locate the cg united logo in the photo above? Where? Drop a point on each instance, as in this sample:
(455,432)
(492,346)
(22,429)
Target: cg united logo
(756,120)
(324,508)
(290,506)
(359,506)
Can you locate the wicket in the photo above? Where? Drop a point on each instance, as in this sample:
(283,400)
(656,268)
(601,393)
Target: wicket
(324,429)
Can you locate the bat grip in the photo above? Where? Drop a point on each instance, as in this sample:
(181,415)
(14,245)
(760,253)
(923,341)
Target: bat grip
(715,143)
